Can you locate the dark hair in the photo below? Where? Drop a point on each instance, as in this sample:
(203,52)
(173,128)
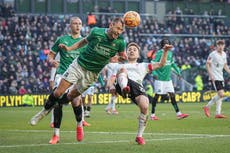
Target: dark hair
(134,44)
(163,42)
(117,19)
(219,42)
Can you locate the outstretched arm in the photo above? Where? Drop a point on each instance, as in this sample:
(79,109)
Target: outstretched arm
(122,57)
(51,59)
(77,45)
(162,62)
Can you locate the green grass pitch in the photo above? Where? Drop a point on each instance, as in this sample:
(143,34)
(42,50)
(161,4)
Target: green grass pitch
(116,133)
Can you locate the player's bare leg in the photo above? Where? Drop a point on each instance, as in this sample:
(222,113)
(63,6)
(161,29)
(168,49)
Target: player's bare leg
(122,79)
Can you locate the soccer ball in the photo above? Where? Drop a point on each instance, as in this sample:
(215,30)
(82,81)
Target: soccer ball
(132,19)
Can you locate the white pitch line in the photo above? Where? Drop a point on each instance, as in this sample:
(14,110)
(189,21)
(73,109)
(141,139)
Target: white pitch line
(119,133)
(192,136)
(106,142)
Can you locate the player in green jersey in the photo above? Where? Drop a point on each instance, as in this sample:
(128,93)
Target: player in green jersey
(66,59)
(102,44)
(163,84)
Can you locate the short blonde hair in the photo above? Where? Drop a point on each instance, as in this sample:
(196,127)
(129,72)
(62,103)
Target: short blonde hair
(74,18)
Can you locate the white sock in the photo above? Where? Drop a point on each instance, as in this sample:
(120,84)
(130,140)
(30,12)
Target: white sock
(213,100)
(142,124)
(52,116)
(122,80)
(57,132)
(83,117)
(218,106)
(178,113)
(113,100)
(80,123)
(108,106)
(153,115)
(113,107)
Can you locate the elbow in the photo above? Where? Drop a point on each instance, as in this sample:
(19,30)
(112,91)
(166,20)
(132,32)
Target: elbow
(162,64)
(159,65)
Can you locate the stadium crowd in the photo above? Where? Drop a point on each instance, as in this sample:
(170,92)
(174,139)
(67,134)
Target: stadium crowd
(25,41)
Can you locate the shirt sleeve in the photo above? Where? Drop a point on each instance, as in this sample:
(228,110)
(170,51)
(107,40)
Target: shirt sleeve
(91,35)
(55,47)
(116,69)
(176,68)
(122,46)
(210,56)
(157,58)
(225,59)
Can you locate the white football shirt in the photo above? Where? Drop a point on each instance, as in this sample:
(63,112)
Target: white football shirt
(217,64)
(110,68)
(136,71)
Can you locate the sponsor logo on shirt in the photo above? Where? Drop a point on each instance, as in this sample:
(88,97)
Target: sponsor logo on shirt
(103,50)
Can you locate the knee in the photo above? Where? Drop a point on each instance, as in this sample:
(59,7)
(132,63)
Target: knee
(73,94)
(145,110)
(221,94)
(76,101)
(145,106)
(57,93)
(122,71)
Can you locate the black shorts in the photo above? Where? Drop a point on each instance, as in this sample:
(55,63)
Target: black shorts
(135,90)
(217,85)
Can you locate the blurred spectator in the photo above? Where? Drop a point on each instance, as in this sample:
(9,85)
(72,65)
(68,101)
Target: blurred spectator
(199,82)
(13,87)
(185,66)
(22,90)
(27,100)
(91,20)
(24,38)
(6,10)
(152,53)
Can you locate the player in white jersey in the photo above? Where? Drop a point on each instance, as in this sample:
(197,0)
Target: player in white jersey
(216,62)
(53,70)
(129,82)
(87,105)
(111,107)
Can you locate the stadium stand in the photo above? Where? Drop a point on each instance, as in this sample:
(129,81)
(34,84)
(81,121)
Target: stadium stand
(25,41)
